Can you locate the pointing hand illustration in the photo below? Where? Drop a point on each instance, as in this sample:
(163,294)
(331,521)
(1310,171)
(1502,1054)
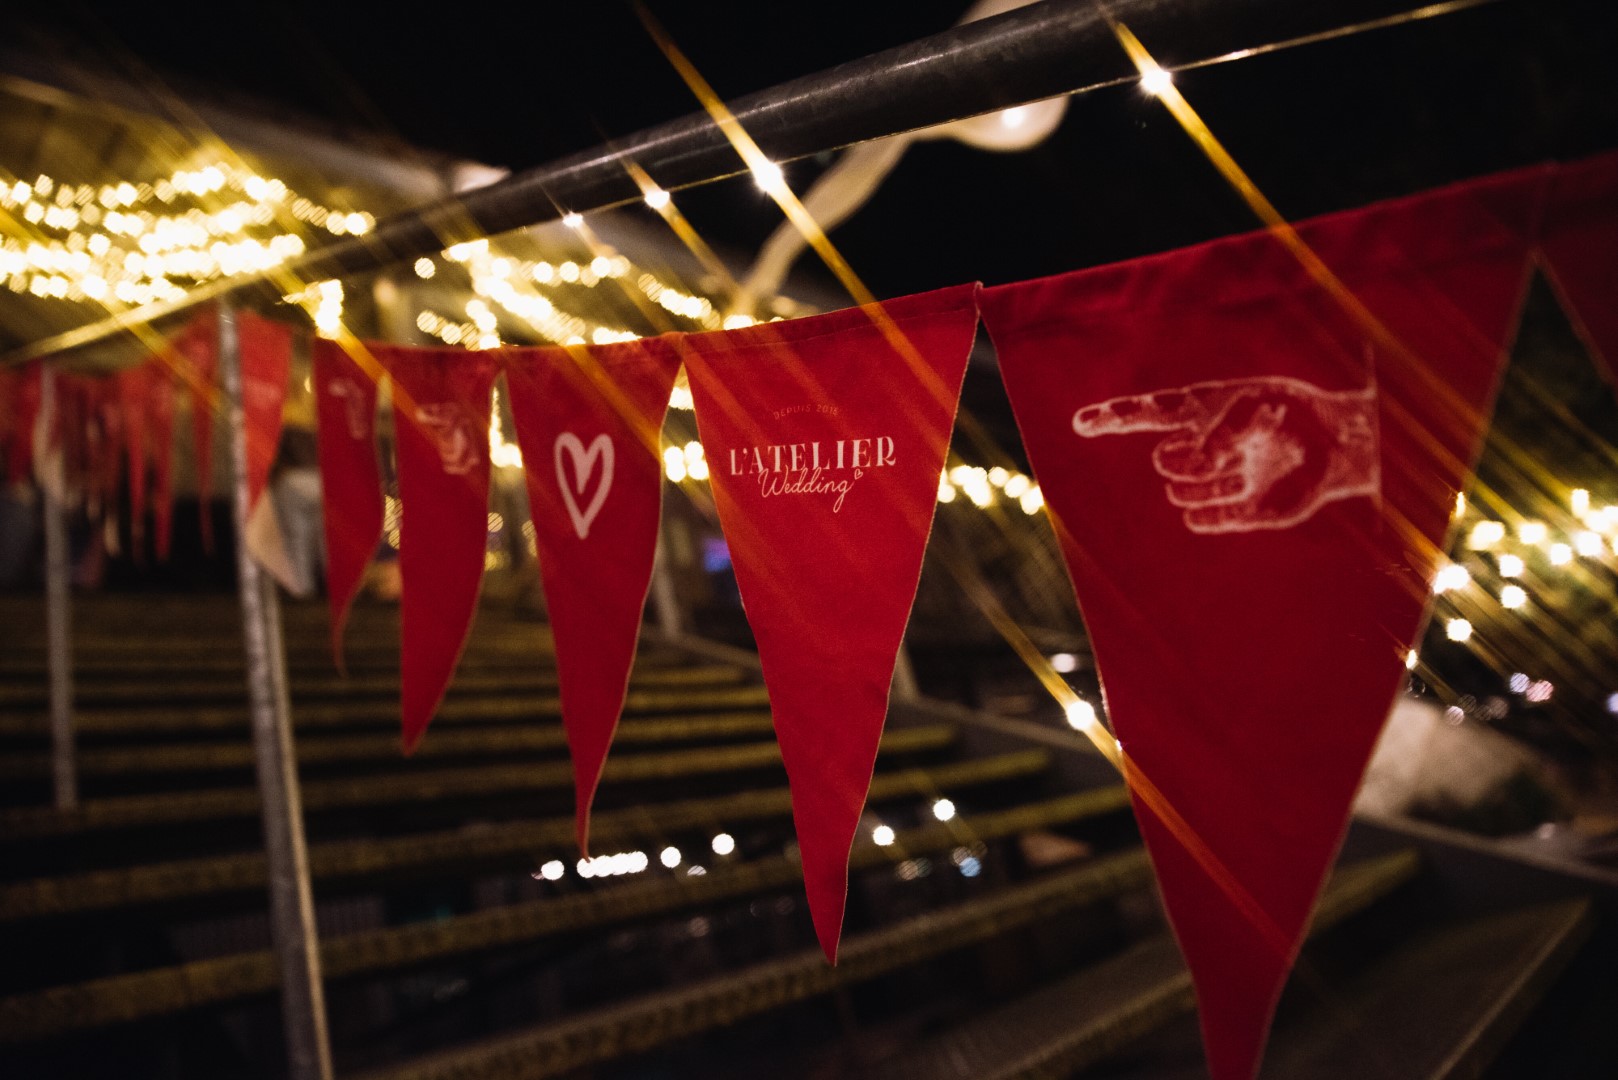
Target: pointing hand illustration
(1249,454)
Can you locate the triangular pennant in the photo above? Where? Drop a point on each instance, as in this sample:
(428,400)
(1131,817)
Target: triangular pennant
(197,348)
(825,438)
(109,432)
(160,448)
(588,421)
(134,390)
(1251,460)
(19,409)
(350,477)
(1579,249)
(266,353)
(441,405)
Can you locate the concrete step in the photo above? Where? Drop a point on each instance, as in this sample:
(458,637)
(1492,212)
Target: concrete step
(122,998)
(492,845)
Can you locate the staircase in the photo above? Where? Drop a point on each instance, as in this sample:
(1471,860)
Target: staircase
(460,938)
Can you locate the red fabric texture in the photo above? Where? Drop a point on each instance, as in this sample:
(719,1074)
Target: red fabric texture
(109,434)
(160,447)
(197,347)
(441,408)
(134,391)
(588,422)
(350,477)
(266,351)
(1251,485)
(825,438)
(1579,250)
(19,410)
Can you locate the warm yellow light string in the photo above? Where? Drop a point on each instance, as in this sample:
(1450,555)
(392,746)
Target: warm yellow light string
(662,203)
(768,176)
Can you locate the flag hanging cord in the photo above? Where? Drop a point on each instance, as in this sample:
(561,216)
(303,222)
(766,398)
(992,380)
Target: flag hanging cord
(1043,50)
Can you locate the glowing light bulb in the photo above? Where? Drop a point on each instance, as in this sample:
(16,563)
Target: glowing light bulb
(1580,502)
(1412,658)
(425,268)
(768,176)
(1588,543)
(1451,576)
(553,870)
(1064,662)
(1532,532)
(573,220)
(1513,596)
(1486,534)
(1080,714)
(657,198)
(1155,80)
(724,844)
(882,836)
(674,464)
(670,857)
(943,810)
(1560,554)
(1458,629)
(1014,117)
(1510,566)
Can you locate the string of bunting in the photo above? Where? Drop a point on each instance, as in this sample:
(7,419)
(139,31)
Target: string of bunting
(1249,450)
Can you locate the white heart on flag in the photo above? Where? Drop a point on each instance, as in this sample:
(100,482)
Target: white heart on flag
(569,446)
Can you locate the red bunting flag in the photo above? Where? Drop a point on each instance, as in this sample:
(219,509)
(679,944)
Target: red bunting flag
(19,410)
(266,364)
(266,352)
(588,422)
(1579,249)
(350,478)
(109,433)
(441,406)
(134,389)
(160,447)
(825,438)
(1251,468)
(196,347)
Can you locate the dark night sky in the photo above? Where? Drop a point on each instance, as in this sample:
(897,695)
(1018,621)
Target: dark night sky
(1320,127)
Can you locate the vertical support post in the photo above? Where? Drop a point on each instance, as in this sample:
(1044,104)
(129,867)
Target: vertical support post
(665,599)
(904,676)
(292,914)
(58,610)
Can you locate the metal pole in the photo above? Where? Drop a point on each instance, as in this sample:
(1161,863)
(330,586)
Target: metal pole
(905,687)
(58,611)
(1035,52)
(665,599)
(292,909)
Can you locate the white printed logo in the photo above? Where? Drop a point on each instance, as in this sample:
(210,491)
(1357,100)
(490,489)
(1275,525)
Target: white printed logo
(1249,454)
(570,449)
(348,392)
(452,431)
(814,467)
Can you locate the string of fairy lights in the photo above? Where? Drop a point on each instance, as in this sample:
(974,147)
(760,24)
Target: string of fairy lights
(1519,571)
(138,243)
